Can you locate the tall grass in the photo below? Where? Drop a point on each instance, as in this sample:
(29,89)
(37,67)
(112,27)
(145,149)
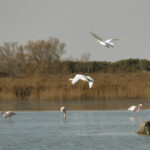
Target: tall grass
(59,88)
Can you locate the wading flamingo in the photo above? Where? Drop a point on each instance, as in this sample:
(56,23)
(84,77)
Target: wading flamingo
(63,111)
(134,109)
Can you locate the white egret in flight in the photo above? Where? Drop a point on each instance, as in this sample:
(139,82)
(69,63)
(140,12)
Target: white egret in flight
(134,109)
(7,114)
(108,43)
(63,111)
(83,78)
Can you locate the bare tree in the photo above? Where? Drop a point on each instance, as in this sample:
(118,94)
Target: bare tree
(7,57)
(85,57)
(34,57)
(45,51)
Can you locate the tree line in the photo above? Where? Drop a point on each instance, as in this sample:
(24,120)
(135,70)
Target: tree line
(44,57)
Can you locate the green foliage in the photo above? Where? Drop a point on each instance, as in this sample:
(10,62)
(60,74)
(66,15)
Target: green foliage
(129,65)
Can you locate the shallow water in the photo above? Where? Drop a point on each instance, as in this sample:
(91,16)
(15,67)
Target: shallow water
(87,130)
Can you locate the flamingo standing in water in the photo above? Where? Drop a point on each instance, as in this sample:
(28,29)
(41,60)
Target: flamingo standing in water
(63,111)
(7,114)
(134,109)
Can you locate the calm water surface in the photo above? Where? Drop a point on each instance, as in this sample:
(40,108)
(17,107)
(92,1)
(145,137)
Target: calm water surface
(84,130)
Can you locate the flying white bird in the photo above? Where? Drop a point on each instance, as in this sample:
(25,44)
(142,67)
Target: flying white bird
(7,114)
(83,78)
(63,111)
(108,43)
(134,109)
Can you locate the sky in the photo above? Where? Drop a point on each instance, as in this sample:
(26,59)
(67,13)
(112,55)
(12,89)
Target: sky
(71,21)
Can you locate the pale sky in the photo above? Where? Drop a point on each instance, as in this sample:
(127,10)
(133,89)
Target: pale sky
(71,21)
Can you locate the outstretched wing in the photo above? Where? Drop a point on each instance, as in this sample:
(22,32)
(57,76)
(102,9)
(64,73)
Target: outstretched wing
(109,40)
(77,78)
(90,78)
(90,84)
(96,36)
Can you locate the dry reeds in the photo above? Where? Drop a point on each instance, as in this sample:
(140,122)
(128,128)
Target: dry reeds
(58,87)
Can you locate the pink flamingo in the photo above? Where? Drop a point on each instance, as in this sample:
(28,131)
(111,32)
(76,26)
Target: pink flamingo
(134,109)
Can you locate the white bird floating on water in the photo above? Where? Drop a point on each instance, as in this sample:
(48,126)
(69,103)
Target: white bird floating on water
(108,43)
(134,109)
(83,78)
(7,114)
(63,111)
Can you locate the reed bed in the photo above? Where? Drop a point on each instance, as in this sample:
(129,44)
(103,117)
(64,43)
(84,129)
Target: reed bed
(57,87)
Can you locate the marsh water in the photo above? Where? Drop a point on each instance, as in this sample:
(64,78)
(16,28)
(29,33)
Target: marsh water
(83,130)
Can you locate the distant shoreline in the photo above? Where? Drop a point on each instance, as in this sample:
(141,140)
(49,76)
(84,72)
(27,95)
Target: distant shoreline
(110,91)
(73,105)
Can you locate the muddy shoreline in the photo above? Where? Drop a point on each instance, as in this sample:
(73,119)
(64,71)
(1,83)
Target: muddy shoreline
(122,104)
